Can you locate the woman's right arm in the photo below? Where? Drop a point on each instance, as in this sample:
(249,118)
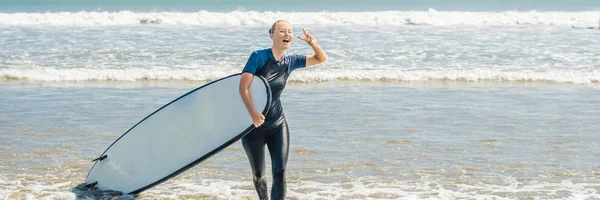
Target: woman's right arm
(257,117)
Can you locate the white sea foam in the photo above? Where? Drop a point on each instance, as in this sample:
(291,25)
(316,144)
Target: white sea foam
(305,76)
(250,18)
(358,189)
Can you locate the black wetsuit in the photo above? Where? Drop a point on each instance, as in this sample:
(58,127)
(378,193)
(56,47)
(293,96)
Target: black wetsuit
(274,131)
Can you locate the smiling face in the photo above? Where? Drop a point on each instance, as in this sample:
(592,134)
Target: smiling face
(282,34)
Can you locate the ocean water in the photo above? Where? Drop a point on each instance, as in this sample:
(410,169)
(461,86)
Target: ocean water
(304,6)
(419,100)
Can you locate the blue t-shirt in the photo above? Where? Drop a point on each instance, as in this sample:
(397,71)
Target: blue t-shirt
(259,58)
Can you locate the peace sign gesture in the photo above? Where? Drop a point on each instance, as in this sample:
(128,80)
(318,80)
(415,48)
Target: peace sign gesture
(308,38)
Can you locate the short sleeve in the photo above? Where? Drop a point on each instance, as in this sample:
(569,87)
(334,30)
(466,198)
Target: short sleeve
(252,64)
(297,61)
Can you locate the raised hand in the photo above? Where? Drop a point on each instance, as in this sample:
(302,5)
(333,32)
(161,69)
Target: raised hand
(308,38)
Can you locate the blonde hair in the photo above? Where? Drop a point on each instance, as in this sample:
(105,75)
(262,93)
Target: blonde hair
(272,29)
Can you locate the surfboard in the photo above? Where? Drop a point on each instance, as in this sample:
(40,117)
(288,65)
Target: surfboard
(177,136)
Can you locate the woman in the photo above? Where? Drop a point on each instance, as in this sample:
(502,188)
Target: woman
(272,129)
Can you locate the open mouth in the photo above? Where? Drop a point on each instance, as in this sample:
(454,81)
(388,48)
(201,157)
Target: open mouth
(286,40)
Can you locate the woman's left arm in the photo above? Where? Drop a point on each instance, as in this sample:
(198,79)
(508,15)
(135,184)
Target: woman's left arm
(319,56)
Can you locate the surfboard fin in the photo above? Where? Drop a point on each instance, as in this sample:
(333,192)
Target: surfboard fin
(91,185)
(100,158)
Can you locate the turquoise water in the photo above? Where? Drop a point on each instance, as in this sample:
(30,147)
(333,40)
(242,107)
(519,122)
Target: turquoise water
(418,100)
(303,6)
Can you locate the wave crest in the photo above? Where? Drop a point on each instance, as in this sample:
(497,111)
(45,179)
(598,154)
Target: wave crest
(251,18)
(305,76)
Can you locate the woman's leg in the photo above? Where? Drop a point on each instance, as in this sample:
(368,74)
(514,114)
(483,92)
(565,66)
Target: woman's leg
(278,144)
(254,145)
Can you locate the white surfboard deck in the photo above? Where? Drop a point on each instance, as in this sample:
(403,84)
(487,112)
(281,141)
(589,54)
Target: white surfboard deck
(178,136)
